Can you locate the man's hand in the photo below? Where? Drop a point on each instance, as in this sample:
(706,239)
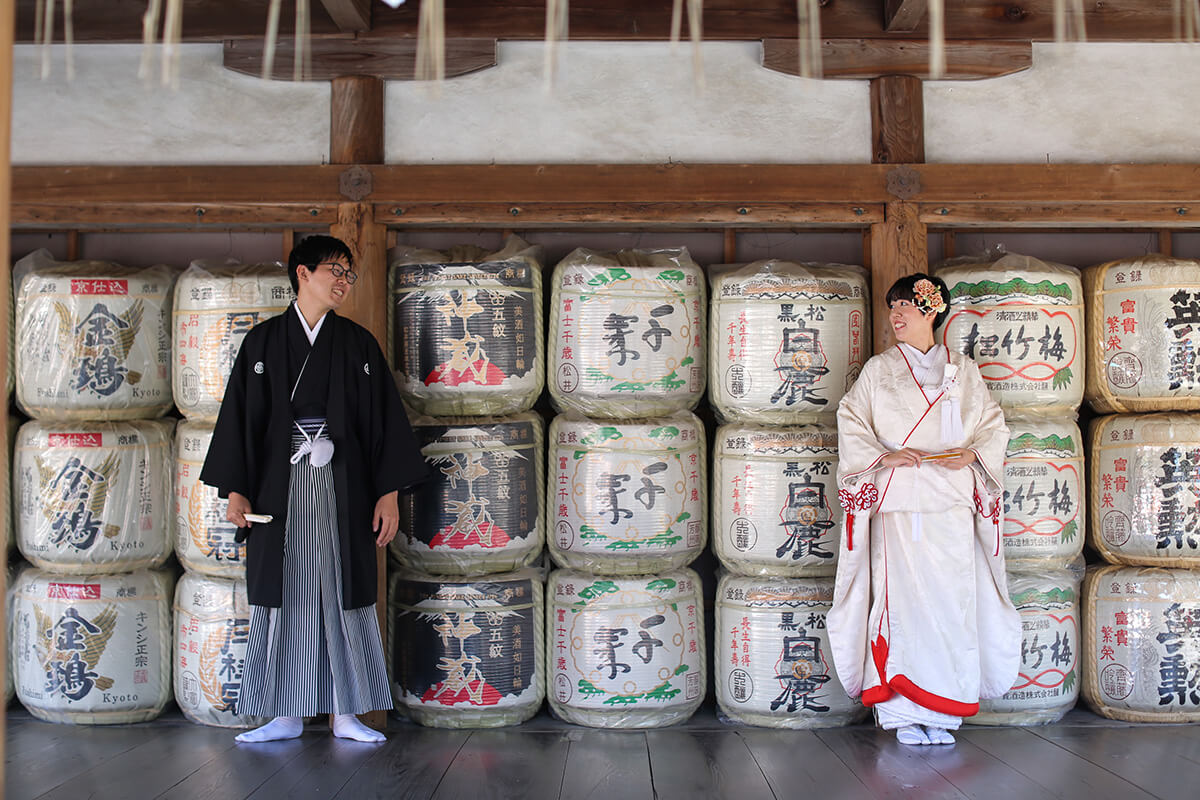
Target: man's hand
(238,508)
(387,518)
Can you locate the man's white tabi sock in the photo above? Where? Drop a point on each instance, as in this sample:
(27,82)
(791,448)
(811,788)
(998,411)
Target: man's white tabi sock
(276,729)
(347,726)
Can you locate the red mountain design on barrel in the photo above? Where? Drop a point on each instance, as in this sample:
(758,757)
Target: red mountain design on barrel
(480,373)
(485,534)
(440,693)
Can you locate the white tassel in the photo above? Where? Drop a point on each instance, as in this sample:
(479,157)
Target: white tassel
(271,39)
(696,32)
(1069,24)
(172,35)
(808,38)
(47,35)
(149,34)
(557,18)
(301,60)
(431,44)
(69,36)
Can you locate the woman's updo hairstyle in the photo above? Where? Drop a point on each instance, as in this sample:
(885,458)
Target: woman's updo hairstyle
(925,292)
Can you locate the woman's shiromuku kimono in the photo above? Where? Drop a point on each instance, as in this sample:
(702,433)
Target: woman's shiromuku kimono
(921,619)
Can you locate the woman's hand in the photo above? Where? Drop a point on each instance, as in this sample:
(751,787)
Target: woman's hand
(908,457)
(962,458)
(238,508)
(387,518)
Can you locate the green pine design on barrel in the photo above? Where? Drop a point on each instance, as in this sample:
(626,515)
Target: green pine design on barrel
(1050,599)
(587,688)
(606,433)
(1068,532)
(1043,288)
(660,585)
(1061,378)
(609,276)
(1052,443)
(1069,681)
(674,275)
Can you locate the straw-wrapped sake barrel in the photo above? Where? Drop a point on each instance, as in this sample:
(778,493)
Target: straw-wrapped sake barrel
(482,509)
(467,329)
(773,663)
(212,628)
(1021,319)
(467,652)
(1143,334)
(627,497)
(1047,684)
(627,335)
(9,689)
(94,496)
(625,652)
(92,650)
(1043,493)
(93,341)
(204,539)
(216,305)
(1144,498)
(787,340)
(774,507)
(6,482)
(1141,643)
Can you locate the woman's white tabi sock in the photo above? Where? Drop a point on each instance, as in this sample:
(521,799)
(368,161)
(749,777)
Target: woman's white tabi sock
(276,729)
(347,726)
(938,735)
(912,734)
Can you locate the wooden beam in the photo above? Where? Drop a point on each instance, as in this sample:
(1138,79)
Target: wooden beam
(729,20)
(151,215)
(356,120)
(898,247)
(1079,215)
(903,15)
(350,16)
(628,216)
(392,59)
(897,120)
(861,59)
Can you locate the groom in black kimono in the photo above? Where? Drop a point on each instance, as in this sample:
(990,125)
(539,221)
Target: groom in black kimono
(312,433)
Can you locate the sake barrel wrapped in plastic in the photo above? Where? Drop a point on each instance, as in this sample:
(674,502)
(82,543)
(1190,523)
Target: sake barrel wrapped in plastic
(774,508)
(786,340)
(468,652)
(212,628)
(92,650)
(627,336)
(1143,334)
(204,539)
(625,652)
(483,508)
(1144,499)
(773,663)
(216,304)
(1141,643)
(1047,684)
(1043,493)
(627,497)
(467,329)
(6,483)
(93,339)
(93,496)
(1021,319)
(9,689)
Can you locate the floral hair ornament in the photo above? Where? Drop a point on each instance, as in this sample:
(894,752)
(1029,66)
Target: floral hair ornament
(929,297)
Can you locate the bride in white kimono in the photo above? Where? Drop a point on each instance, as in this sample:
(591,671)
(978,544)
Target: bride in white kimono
(922,625)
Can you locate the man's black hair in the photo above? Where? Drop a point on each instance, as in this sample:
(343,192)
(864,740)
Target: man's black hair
(313,250)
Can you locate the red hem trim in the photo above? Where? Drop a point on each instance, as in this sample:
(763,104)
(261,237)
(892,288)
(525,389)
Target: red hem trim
(876,694)
(944,705)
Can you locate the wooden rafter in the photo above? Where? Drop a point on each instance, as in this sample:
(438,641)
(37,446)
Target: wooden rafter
(861,59)
(334,57)
(350,16)
(903,15)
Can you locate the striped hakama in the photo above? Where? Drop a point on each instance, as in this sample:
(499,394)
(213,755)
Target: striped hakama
(311,656)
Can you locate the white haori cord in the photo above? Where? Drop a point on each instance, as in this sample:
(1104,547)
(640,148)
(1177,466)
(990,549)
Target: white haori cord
(952,427)
(318,450)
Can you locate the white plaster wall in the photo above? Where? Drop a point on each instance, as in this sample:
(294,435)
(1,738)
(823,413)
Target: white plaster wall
(1079,103)
(629,102)
(106,115)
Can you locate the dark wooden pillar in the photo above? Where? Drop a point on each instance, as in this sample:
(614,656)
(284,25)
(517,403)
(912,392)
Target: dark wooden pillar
(897,247)
(355,139)
(897,120)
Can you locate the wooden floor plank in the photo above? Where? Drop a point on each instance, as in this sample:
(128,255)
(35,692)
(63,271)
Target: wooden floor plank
(698,764)
(324,771)
(887,768)
(1057,769)
(979,775)
(506,763)
(797,763)
(411,765)
(1166,761)
(240,770)
(43,755)
(606,765)
(154,766)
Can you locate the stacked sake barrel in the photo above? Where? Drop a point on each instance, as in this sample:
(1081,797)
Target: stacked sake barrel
(787,341)
(628,488)
(1141,639)
(1021,320)
(92,480)
(465,610)
(216,305)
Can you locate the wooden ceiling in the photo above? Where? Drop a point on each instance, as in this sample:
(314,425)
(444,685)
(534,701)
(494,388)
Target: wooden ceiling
(729,20)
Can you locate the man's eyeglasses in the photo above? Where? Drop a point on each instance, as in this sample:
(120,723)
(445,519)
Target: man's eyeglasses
(339,271)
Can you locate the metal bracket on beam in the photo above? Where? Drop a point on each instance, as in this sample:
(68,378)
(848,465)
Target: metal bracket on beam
(356,183)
